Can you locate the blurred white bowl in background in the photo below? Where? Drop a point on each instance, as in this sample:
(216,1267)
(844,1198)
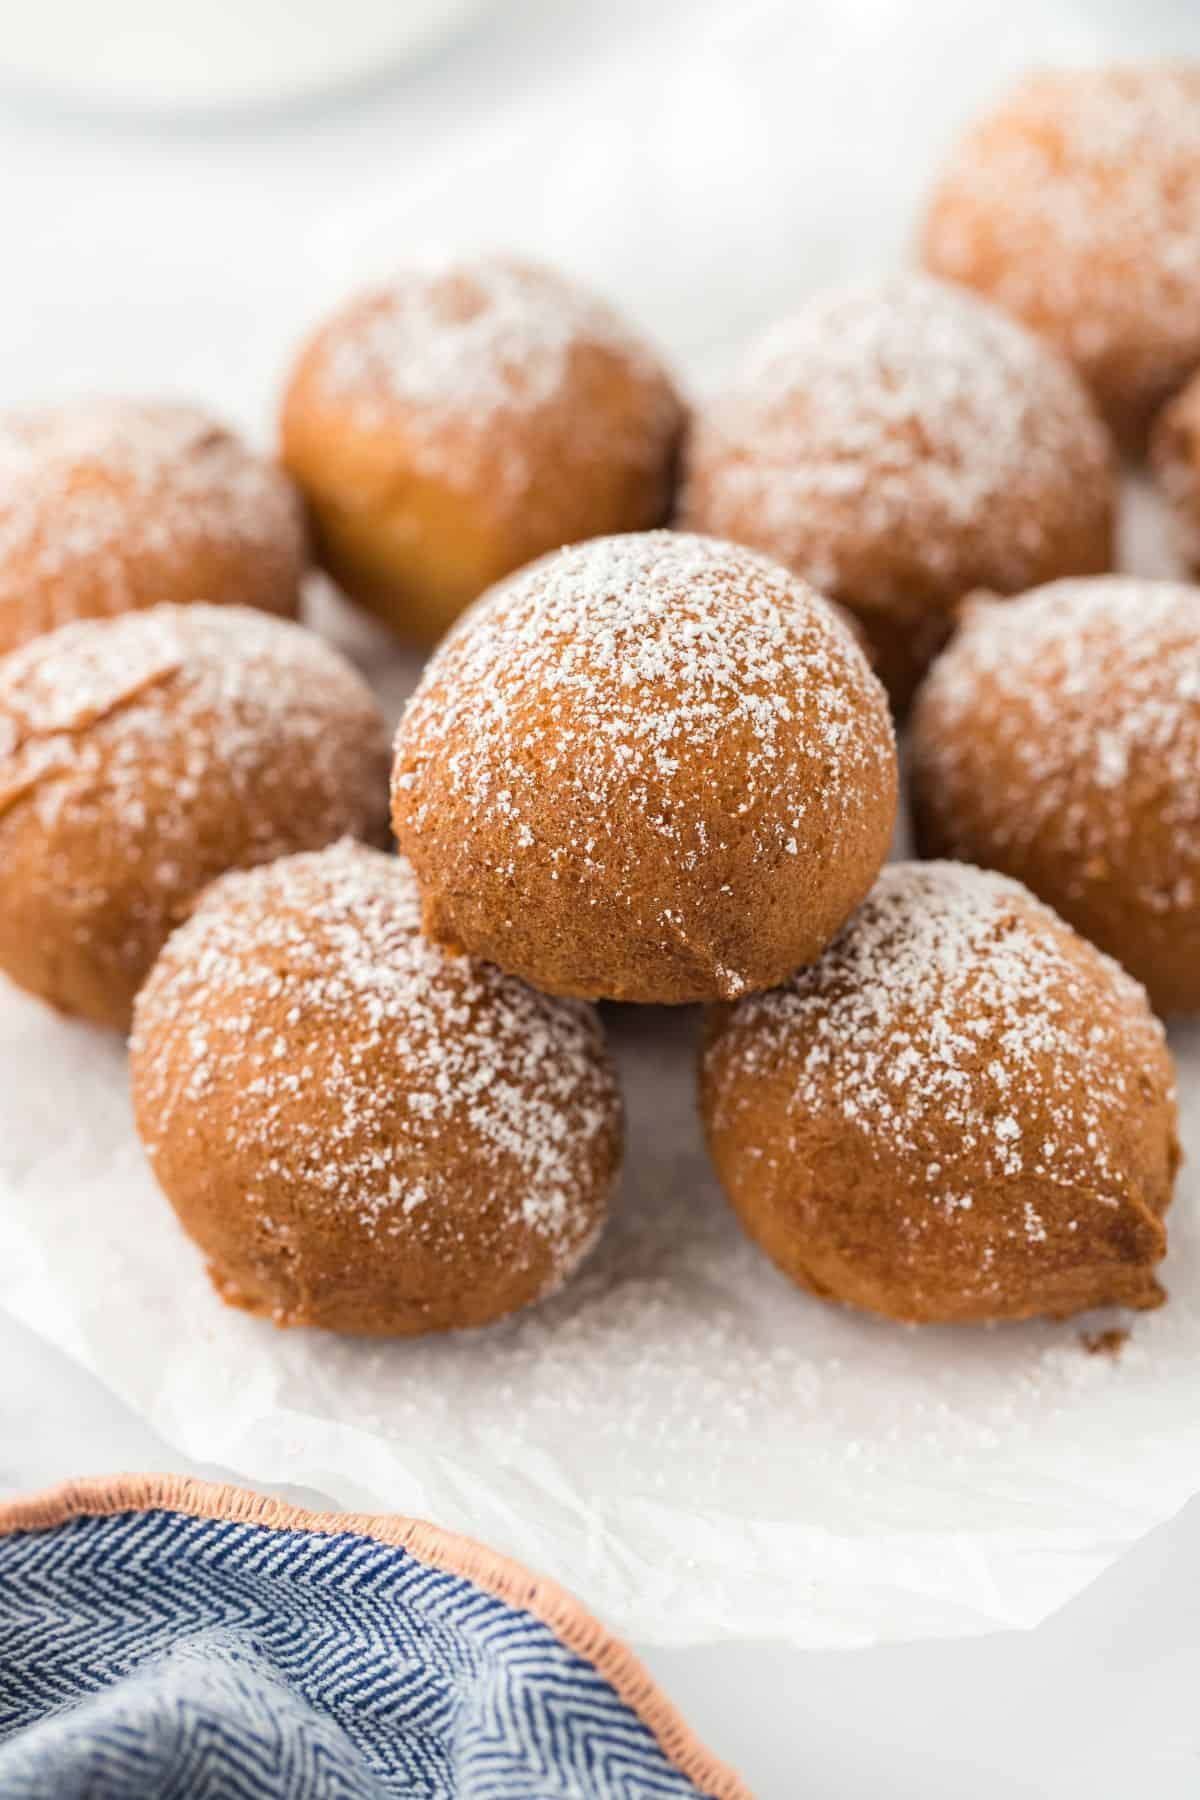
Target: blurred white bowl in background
(166,56)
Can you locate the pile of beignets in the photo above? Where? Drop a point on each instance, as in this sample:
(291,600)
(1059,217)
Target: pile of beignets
(651,760)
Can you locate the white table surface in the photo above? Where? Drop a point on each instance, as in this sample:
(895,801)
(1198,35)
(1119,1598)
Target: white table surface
(663,143)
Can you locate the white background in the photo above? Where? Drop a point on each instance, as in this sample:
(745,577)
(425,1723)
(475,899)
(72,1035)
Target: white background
(702,164)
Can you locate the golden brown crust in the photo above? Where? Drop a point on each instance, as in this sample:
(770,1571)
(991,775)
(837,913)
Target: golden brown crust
(113,506)
(899,443)
(1058,739)
(461,422)
(651,768)
(1075,204)
(962,1112)
(143,755)
(360,1131)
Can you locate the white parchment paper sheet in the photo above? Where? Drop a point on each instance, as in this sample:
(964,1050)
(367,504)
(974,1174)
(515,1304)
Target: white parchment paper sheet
(694,1446)
(697,1449)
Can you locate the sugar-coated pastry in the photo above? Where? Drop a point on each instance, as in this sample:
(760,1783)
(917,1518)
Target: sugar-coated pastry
(653,767)
(899,443)
(962,1111)
(1075,204)
(143,755)
(357,1129)
(465,419)
(112,505)
(1058,739)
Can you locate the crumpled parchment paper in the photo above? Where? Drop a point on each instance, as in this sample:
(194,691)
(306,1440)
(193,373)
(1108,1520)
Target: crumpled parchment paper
(697,1449)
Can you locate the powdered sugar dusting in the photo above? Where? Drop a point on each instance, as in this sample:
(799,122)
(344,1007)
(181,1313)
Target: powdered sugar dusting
(1091,691)
(468,352)
(897,432)
(354,1065)
(1076,204)
(143,754)
(945,1027)
(627,677)
(95,498)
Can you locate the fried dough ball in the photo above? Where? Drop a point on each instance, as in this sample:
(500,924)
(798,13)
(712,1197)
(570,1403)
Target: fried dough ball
(962,1111)
(466,419)
(651,767)
(358,1130)
(899,443)
(143,755)
(1075,204)
(114,505)
(1058,739)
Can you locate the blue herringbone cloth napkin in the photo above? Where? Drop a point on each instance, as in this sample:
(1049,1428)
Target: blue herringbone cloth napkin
(161,1638)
